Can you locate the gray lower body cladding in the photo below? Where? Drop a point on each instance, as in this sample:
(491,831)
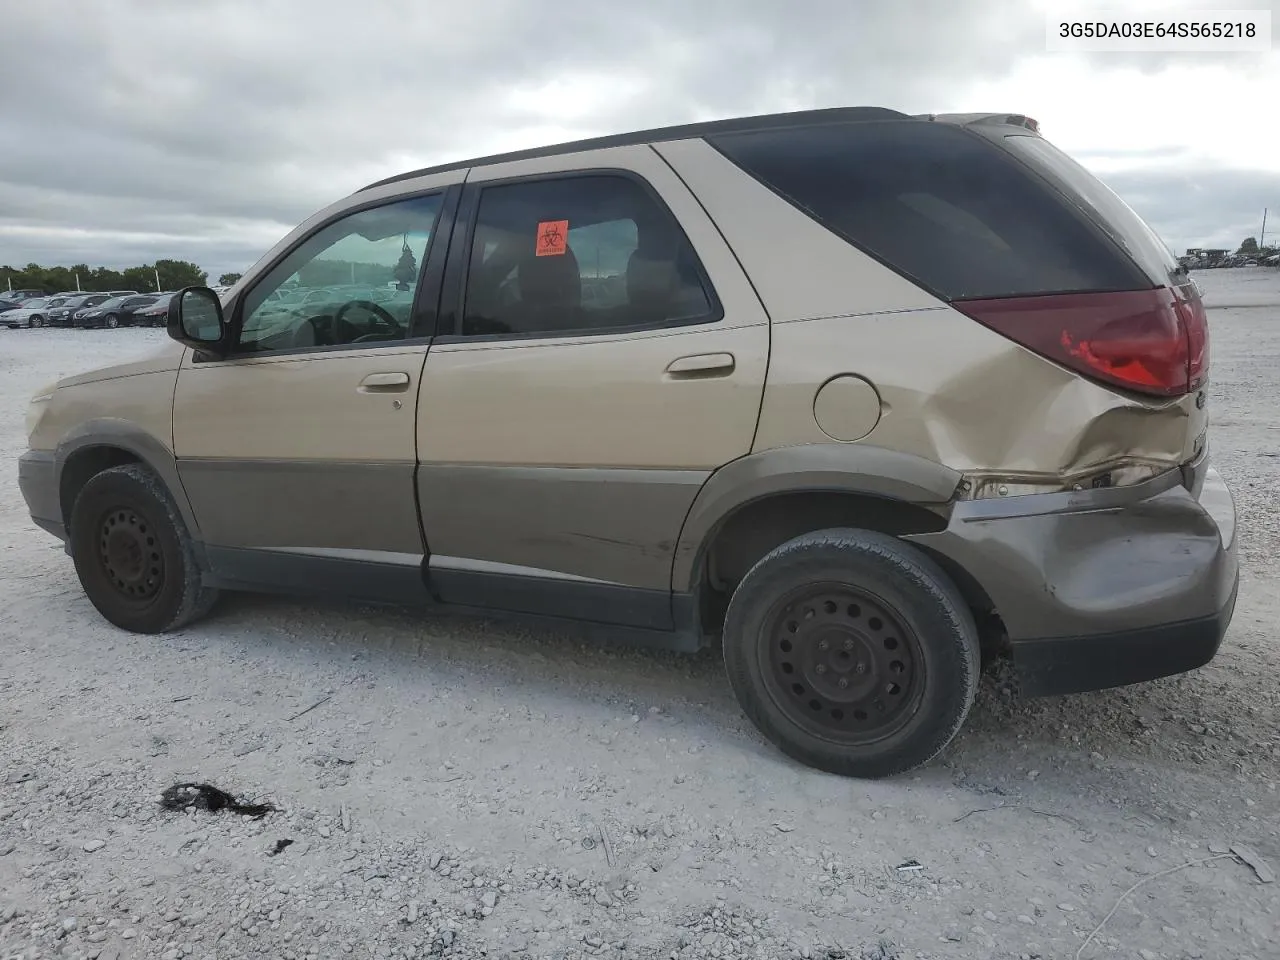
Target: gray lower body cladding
(1095,589)
(37,479)
(1102,588)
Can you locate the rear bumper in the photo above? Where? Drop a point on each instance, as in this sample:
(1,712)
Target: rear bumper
(1102,588)
(37,479)
(1076,664)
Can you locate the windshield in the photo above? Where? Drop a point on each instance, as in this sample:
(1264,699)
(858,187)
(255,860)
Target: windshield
(1101,203)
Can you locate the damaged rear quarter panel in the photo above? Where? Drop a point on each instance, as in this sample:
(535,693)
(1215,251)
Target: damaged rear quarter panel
(951,390)
(965,397)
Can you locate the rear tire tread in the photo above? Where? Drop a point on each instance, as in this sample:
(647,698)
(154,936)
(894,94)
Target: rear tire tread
(897,568)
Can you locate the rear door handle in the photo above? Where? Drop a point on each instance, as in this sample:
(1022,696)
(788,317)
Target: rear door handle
(702,365)
(385,383)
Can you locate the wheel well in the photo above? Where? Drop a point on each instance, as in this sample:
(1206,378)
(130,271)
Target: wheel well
(757,528)
(82,466)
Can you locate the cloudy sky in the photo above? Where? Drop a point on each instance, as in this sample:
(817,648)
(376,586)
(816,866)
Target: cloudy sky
(206,129)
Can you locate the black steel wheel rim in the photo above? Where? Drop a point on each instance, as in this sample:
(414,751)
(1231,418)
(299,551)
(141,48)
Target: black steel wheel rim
(129,554)
(841,663)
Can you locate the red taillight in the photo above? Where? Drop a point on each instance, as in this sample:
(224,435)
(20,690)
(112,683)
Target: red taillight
(1191,312)
(1148,341)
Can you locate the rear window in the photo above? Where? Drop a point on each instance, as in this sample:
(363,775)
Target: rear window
(1100,203)
(954,213)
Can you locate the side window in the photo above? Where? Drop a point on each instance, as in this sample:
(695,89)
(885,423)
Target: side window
(351,282)
(581,253)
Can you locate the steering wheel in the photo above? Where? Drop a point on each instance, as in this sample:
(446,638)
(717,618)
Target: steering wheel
(383,321)
(314,331)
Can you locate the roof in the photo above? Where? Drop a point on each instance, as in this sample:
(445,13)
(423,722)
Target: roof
(769,121)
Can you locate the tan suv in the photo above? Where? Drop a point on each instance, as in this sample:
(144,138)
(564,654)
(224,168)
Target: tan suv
(858,395)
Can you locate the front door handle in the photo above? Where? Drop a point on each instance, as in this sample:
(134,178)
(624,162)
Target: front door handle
(385,383)
(702,365)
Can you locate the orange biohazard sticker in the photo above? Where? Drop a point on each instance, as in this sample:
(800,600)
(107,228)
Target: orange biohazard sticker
(553,238)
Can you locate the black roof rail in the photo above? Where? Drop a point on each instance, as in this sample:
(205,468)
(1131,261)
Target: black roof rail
(708,128)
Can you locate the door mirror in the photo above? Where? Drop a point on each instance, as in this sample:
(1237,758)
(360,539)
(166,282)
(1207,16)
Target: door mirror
(195,318)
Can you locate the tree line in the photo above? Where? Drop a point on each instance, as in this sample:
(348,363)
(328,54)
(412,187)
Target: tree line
(173,275)
(1250,248)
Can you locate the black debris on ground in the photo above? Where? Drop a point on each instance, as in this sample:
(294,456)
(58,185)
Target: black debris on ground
(204,796)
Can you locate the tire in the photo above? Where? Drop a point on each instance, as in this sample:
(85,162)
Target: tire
(852,652)
(112,321)
(37,321)
(133,554)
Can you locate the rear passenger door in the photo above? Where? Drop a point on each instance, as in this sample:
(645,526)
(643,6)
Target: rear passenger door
(600,354)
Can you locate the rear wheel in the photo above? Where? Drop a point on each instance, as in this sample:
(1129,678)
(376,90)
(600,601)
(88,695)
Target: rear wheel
(133,554)
(853,652)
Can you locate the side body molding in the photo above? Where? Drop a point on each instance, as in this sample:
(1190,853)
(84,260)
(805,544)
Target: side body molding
(124,435)
(805,468)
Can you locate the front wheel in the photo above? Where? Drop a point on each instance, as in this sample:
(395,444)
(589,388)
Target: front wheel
(133,554)
(852,652)
(37,321)
(112,321)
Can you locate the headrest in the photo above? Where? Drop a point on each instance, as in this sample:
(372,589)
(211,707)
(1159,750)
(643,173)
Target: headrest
(651,283)
(550,282)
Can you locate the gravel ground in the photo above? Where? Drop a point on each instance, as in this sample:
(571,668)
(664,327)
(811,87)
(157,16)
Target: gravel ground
(466,789)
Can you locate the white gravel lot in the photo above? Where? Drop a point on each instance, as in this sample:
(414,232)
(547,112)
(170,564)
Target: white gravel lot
(470,789)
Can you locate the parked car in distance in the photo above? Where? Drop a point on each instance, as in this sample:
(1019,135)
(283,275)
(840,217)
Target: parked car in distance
(17,296)
(116,312)
(808,426)
(32,313)
(154,314)
(13,299)
(62,316)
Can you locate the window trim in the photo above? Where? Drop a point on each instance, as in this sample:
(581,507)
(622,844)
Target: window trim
(1071,209)
(426,300)
(458,269)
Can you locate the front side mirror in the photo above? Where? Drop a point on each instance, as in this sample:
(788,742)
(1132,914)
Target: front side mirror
(195,318)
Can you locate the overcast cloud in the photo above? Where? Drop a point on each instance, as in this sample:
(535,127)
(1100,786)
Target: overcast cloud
(139,129)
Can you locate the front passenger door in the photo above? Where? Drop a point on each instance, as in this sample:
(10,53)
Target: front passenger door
(298,450)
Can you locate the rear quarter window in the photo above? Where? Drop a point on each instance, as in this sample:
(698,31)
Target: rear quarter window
(1102,204)
(952,212)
